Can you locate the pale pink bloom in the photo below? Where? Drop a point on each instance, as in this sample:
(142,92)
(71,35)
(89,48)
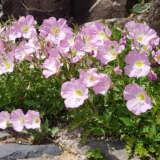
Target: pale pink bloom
(32,120)
(76,52)
(2,49)
(108,52)
(89,78)
(157,56)
(103,85)
(17,120)
(4,119)
(51,65)
(141,33)
(74,92)
(137,99)
(117,70)
(152,76)
(138,64)
(55,31)
(24,51)
(24,27)
(6,63)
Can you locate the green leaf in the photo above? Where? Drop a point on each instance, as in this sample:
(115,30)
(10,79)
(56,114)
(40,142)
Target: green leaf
(141,8)
(127,121)
(54,131)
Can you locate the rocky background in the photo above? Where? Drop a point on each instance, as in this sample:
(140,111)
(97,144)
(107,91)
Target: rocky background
(77,11)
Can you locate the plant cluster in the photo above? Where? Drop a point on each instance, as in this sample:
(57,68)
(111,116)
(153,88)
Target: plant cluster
(98,71)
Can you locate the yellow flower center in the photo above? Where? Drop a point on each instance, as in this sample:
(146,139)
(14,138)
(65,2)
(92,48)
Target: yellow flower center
(37,120)
(55,30)
(113,54)
(78,92)
(141,96)
(139,64)
(91,78)
(158,58)
(21,120)
(87,38)
(140,38)
(102,35)
(145,48)
(73,52)
(8,65)
(25,28)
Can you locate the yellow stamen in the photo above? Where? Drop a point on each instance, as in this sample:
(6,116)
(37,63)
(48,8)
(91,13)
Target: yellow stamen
(140,38)
(25,28)
(113,54)
(145,48)
(36,120)
(91,78)
(8,65)
(78,92)
(141,96)
(102,35)
(158,58)
(139,64)
(55,30)
(21,120)
(73,52)
(87,38)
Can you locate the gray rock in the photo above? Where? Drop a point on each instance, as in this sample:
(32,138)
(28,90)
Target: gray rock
(38,8)
(15,151)
(113,150)
(154,15)
(91,10)
(4,134)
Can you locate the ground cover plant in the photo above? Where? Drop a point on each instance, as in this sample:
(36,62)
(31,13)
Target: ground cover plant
(104,79)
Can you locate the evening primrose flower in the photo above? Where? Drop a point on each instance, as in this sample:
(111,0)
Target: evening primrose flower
(74,92)
(51,66)
(141,33)
(89,78)
(157,56)
(103,85)
(138,64)
(118,71)
(6,63)
(137,99)
(32,120)
(17,120)
(24,27)
(108,52)
(4,119)
(55,31)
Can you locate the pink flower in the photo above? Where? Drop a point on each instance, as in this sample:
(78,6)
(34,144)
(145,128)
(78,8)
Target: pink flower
(76,52)
(32,120)
(4,119)
(17,120)
(108,52)
(6,63)
(137,99)
(103,85)
(117,70)
(152,76)
(138,64)
(51,65)
(55,31)
(89,78)
(24,51)
(23,28)
(141,33)
(74,92)
(157,56)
